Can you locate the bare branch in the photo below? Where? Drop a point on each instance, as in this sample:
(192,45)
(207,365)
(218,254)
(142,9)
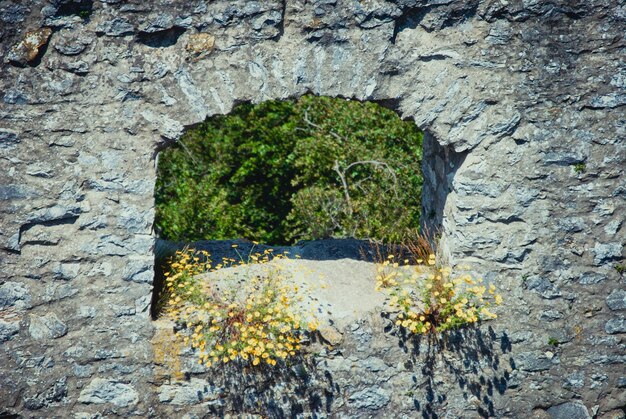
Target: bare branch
(188,152)
(346,192)
(376,163)
(318,127)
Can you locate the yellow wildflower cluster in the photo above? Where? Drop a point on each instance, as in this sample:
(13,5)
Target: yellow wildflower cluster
(256,321)
(429,298)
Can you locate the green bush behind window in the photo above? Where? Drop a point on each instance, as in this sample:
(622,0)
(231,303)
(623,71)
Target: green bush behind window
(283,171)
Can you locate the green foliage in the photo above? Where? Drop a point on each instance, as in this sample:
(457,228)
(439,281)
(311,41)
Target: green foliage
(580,168)
(620,268)
(553,342)
(283,171)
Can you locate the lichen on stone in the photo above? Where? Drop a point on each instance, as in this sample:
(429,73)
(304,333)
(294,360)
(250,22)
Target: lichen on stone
(27,50)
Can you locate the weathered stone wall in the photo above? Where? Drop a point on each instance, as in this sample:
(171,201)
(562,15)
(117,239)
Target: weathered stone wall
(523,104)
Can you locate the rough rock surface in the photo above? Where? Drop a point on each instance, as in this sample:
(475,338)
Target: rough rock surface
(522,103)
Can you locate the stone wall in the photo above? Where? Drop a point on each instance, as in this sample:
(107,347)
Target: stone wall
(523,106)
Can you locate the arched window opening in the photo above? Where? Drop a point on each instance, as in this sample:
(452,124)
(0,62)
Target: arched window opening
(282,172)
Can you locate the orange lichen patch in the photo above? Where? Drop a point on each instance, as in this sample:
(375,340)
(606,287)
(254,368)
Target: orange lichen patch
(200,45)
(166,350)
(27,50)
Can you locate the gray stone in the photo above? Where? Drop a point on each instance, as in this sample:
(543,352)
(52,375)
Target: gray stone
(48,326)
(612,100)
(41,235)
(606,252)
(15,97)
(569,410)
(530,361)
(77,67)
(119,311)
(8,139)
(616,325)
(116,27)
(500,33)
(550,315)
(8,329)
(160,23)
(612,227)
(86,312)
(195,391)
(14,294)
(590,278)
(614,414)
(134,220)
(103,390)
(57,291)
(571,225)
(55,212)
(575,380)
(13,13)
(55,393)
(543,287)
(82,371)
(12,192)
(71,46)
(142,304)
(617,300)
(372,398)
(66,271)
(106,354)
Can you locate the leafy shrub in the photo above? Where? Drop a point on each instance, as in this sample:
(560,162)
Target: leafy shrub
(283,171)
(430,299)
(248,314)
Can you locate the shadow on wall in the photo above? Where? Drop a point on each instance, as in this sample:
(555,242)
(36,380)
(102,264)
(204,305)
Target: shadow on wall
(469,357)
(439,167)
(297,387)
(305,385)
(277,392)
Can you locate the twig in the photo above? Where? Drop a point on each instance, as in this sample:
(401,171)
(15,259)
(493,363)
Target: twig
(318,127)
(189,153)
(378,164)
(342,176)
